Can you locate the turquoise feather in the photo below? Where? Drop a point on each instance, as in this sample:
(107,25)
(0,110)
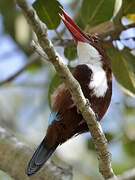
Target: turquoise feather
(53,116)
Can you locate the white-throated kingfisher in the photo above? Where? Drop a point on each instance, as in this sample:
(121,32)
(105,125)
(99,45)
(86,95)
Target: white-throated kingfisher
(95,78)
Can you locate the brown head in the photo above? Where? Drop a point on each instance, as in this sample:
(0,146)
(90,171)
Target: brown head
(89,46)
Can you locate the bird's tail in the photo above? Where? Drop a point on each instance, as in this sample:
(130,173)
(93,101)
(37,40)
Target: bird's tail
(39,158)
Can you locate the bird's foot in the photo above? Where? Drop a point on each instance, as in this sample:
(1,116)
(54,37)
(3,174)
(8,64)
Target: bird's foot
(87,103)
(96,116)
(78,111)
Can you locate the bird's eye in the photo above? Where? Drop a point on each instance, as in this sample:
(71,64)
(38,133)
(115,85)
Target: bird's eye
(95,40)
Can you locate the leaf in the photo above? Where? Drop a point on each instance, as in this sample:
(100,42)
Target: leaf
(120,167)
(129,110)
(34,67)
(55,82)
(129,147)
(109,136)
(48,12)
(128,7)
(70,53)
(117,15)
(123,67)
(131,17)
(90,144)
(96,12)
(9,17)
(117,7)
(80,23)
(126,10)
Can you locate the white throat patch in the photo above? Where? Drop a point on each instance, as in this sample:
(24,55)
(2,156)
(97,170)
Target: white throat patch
(89,55)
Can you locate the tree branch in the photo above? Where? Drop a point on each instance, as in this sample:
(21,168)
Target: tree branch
(115,32)
(31,61)
(39,50)
(14,156)
(74,87)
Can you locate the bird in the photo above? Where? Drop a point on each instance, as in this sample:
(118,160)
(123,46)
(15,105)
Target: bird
(94,75)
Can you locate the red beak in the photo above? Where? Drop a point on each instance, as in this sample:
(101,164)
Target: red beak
(76,32)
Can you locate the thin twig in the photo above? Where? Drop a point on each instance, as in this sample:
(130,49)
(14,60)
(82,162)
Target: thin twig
(115,32)
(64,42)
(39,50)
(31,61)
(97,134)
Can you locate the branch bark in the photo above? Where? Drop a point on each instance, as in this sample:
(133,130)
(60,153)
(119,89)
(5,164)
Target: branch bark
(96,131)
(114,32)
(14,156)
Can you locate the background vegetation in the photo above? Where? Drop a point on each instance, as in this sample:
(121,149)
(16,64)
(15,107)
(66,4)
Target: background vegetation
(24,98)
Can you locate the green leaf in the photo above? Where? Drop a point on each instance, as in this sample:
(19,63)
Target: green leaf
(129,110)
(120,167)
(117,7)
(34,67)
(117,12)
(48,12)
(96,12)
(109,136)
(9,17)
(70,53)
(110,52)
(128,7)
(55,82)
(90,145)
(80,23)
(131,17)
(129,147)
(123,67)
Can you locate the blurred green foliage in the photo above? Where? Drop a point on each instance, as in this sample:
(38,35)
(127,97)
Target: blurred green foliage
(48,12)
(96,12)
(70,53)
(55,82)
(123,64)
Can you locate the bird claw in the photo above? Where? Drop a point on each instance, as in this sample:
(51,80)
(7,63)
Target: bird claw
(96,116)
(78,111)
(88,103)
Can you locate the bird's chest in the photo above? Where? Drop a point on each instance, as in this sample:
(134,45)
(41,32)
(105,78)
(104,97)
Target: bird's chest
(97,90)
(92,79)
(98,81)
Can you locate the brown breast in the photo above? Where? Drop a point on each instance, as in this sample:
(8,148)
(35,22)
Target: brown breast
(99,104)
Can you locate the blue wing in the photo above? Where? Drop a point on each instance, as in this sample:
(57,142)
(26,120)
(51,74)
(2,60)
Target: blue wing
(53,116)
